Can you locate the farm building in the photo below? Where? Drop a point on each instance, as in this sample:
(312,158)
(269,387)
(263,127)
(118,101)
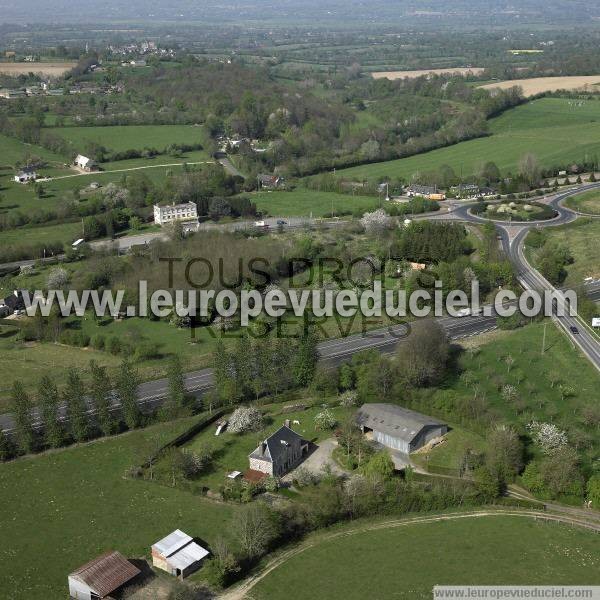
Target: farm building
(101,577)
(175,212)
(85,163)
(270,182)
(26,175)
(398,428)
(279,453)
(178,554)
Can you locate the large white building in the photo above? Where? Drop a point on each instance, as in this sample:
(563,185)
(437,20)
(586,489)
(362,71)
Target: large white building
(175,212)
(85,163)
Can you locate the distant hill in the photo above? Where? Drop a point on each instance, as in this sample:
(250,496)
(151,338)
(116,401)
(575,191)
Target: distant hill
(425,13)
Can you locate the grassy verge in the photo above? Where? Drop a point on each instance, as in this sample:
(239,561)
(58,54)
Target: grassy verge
(588,202)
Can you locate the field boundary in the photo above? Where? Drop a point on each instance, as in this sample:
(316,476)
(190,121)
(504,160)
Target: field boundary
(241,591)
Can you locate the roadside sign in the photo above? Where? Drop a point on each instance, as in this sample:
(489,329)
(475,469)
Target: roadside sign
(596,322)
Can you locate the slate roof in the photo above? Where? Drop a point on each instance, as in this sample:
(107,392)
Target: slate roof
(105,574)
(277,444)
(394,420)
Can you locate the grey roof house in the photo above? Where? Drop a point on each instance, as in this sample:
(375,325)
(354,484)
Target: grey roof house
(398,428)
(279,453)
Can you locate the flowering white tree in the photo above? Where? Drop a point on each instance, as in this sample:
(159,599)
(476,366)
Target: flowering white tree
(245,418)
(349,398)
(509,393)
(325,420)
(376,222)
(547,436)
(58,278)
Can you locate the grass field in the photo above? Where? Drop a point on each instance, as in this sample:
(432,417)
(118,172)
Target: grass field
(13,150)
(553,129)
(588,202)
(406,562)
(581,238)
(231,449)
(484,371)
(63,508)
(136,137)
(63,233)
(448,454)
(305,203)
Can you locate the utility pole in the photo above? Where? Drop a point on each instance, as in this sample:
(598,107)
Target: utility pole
(544,338)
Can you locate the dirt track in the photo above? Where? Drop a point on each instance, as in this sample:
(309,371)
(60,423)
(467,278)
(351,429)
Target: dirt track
(242,590)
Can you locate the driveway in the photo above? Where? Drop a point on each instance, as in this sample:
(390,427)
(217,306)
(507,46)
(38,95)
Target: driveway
(319,458)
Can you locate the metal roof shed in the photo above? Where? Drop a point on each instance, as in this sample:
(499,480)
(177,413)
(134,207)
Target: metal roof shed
(178,554)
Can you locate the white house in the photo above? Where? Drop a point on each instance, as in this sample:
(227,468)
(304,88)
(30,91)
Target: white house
(101,577)
(178,554)
(175,212)
(26,175)
(85,163)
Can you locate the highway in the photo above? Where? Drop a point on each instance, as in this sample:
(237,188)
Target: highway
(335,351)
(331,352)
(513,238)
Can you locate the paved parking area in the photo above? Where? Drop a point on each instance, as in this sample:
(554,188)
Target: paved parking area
(318,458)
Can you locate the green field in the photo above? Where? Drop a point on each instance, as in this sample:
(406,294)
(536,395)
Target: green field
(63,508)
(581,238)
(133,137)
(48,234)
(551,128)
(448,454)
(305,203)
(13,150)
(484,372)
(588,202)
(407,561)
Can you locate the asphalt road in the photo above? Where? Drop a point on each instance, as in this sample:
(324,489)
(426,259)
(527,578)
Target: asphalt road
(331,352)
(385,340)
(513,237)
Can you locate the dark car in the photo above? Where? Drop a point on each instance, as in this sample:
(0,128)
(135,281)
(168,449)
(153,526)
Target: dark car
(281,222)
(574,329)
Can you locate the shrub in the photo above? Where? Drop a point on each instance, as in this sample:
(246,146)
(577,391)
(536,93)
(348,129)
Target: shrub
(98,342)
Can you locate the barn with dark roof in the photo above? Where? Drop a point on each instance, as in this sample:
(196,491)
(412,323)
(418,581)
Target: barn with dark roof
(397,427)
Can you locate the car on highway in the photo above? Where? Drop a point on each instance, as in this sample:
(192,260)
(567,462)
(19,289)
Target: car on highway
(281,222)
(574,330)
